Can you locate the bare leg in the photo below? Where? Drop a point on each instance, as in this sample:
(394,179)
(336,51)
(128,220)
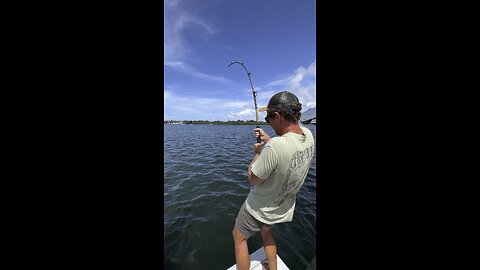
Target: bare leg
(270,247)
(241,250)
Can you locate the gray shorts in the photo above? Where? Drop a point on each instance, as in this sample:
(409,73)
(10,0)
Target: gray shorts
(247,224)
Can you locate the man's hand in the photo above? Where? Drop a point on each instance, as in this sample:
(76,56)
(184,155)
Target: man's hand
(257,148)
(265,137)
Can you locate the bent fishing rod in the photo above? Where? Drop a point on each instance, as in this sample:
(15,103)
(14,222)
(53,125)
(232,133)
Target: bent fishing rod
(259,140)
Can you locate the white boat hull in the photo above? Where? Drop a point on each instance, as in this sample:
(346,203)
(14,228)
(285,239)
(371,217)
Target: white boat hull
(258,257)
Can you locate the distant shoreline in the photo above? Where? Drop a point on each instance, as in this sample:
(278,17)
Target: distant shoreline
(205,122)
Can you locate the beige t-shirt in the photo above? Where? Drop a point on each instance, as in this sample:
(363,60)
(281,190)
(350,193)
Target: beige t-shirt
(283,164)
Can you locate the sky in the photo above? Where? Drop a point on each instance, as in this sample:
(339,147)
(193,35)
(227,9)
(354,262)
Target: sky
(275,39)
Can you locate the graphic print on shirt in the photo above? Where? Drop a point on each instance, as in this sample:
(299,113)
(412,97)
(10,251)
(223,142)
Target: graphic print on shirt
(297,173)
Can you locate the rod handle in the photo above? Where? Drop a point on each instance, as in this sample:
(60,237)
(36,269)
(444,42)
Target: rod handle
(259,138)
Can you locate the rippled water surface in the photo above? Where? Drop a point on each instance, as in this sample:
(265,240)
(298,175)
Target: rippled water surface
(205,185)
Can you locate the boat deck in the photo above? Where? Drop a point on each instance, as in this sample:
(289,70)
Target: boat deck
(258,257)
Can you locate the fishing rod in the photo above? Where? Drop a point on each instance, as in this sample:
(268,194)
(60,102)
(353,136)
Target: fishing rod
(259,140)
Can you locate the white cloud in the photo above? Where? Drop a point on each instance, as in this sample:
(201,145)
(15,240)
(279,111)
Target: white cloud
(178,107)
(175,47)
(302,83)
(195,73)
(247,113)
(177,50)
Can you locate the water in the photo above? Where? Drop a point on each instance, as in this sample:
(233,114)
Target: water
(205,185)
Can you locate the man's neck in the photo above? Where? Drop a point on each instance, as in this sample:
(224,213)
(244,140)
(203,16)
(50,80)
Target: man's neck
(294,128)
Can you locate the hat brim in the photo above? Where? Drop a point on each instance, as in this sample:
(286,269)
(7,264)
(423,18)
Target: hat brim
(263,109)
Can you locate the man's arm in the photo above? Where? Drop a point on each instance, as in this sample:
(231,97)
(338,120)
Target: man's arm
(252,178)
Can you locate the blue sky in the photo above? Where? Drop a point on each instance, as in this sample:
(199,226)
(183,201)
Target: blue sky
(275,39)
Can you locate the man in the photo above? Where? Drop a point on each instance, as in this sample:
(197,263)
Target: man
(277,171)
